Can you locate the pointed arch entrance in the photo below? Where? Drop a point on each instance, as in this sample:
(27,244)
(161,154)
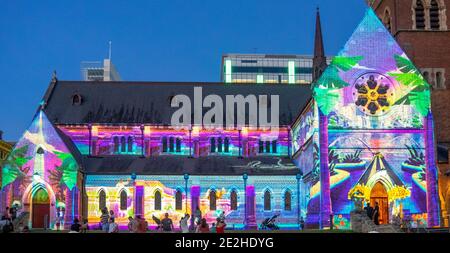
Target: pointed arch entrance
(40,208)
(379,195)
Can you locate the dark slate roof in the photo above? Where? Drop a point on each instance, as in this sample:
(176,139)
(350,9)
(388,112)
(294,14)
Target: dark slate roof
(178,165)
(149,102)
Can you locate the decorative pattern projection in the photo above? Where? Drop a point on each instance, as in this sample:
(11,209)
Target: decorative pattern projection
(376,103)
(40,159)
(372,76)
(224,187)
(304,128)
(154,140)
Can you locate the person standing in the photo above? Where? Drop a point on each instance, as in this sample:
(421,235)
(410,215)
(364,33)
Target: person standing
(302,223)
(13,212)
(376,214)
(143,225)
(222,216)
(113,227)
(132,225)
(220,227)
(369,210)
(104,220)
(197,215)
(184,224)
(84,226)
(203,226)
(167,224)
(111,215)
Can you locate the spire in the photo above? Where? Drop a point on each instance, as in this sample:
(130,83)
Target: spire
(319,61)
(318,42)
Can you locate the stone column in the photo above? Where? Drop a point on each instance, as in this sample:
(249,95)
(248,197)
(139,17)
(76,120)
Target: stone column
(250,219)
(325,195)
(195,202)
(431,174)
(68,213)
(139,201)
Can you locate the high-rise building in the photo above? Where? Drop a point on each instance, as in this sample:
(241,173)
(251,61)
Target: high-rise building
(276,68)
(267,68)
(99,71)
(421,29)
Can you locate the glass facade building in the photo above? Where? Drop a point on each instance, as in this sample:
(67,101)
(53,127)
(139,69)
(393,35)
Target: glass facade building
(265,68)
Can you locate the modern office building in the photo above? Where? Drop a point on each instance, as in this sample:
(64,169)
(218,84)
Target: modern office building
(99,71)
(267,68)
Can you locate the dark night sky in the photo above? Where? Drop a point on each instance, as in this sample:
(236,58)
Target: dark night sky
(152,40)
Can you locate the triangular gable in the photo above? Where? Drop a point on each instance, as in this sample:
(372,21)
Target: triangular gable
(42,152)
(372,52)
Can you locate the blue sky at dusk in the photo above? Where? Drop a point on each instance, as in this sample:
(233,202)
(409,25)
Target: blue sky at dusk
(151,40)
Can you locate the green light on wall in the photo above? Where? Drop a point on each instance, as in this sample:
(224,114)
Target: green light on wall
(259,79)
(228,71)
(291,70)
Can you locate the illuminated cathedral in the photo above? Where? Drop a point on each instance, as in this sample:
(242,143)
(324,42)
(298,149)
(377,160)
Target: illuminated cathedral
(363,132)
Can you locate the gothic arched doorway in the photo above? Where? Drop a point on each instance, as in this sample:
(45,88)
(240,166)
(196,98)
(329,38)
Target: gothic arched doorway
(40,208)
(379,195)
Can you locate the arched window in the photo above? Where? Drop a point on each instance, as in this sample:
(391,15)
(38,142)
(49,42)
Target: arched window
(267,146)
(233,200)
(212,200)
(267,201)
(226,145)
(274,146)
(434,15)
(130,144)
(164,144)
(213,145)
(261,146)
(426,76)
(178,200)
(116,144)
(287,201)
(76,99)
(123,144)
(419,15)
(171,144)
(178,145)
(439,80)
(157,200)
(101,199)
(219,144)
(123,200)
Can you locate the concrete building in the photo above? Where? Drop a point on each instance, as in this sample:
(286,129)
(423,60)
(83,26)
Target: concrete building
(267,68)
(99,71)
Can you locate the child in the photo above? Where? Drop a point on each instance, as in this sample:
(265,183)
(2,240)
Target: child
(58,222)
(84,226)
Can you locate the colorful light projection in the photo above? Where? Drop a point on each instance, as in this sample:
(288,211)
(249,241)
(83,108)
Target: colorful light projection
(373,104)
(40,160)
(167,186)
(154,140)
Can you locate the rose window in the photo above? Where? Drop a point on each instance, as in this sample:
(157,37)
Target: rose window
(373,94)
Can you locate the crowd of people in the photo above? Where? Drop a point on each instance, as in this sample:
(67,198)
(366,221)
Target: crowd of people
(138,224)
(7,221)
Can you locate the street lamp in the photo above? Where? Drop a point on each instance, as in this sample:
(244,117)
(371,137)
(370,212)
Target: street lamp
(245,177)
(298,177)
(186,178)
